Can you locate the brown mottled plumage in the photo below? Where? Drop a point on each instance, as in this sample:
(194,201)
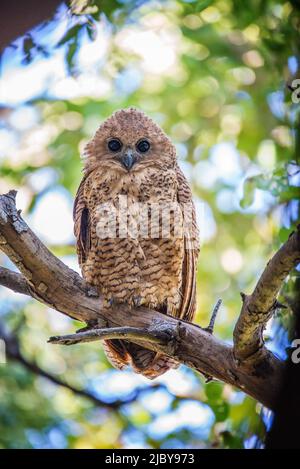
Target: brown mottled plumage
(156,271)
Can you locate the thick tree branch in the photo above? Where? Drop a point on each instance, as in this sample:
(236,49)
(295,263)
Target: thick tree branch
(14,281)
(54,284)
(259,307)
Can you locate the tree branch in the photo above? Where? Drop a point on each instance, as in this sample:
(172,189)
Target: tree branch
(53,283)
(125,333)
(259,307)
(13,281)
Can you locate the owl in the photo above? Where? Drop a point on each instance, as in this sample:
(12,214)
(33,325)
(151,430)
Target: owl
(136,231)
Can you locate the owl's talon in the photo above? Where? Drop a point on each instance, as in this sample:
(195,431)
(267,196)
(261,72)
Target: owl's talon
(137,300)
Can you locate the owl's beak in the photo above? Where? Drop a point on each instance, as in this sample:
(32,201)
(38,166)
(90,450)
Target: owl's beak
(128,159)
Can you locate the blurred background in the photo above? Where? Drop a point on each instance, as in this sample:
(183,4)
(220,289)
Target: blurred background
(218,77)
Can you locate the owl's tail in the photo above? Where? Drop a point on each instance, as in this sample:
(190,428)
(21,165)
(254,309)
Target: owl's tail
(150,364)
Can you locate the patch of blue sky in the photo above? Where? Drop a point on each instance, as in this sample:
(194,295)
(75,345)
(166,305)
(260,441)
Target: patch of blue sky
(156,401)
(8,140)
(190,414)
(36,439)
(23,118)
(205,220)
(9,301)
(72,262)
(59,323)
(127,81)
(54,438)
(278,339)
(57,438)
(113,384)
(294,174)
(181,381)
(43,178)
(293,64)
(226,201)
(51,218)
(290,213)
(173,443)
(262,200)
(20,84)
(227,162)
(276,104)
(182,153)
(204,174)
(242,95)
(187,169)
(253,443)
(133,438)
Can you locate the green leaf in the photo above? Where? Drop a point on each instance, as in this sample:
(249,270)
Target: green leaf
(248,192)
(291,193)
(284,234)
(91,31)
(213,391)
(70,57)
(221,411)
(71,34)
(202,5)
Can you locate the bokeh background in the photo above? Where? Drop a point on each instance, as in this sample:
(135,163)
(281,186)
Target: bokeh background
(216,75)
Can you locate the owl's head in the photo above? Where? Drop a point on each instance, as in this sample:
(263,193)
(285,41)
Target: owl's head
(129,141)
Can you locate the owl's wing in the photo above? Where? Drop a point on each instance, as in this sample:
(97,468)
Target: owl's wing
(191,249)
(81,219)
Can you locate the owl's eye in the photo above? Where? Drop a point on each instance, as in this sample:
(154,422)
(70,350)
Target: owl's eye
(114,145)
(143,146)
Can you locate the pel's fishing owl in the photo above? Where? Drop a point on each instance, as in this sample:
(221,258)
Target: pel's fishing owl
(130,163)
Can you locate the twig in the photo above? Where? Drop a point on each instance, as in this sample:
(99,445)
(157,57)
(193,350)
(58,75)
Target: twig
(127,333)
(211,325)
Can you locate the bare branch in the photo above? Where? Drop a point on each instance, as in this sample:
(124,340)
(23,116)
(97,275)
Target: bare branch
(54,284)
(13,281)
(259,307)
(210,327)
(128,333)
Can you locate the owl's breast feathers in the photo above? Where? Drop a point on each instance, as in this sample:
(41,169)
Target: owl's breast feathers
(153,264)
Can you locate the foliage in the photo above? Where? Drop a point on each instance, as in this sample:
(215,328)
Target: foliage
(214,74)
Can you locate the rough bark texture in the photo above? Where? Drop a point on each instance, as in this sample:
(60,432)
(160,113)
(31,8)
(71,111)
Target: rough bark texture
(259,307)
(248,365)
